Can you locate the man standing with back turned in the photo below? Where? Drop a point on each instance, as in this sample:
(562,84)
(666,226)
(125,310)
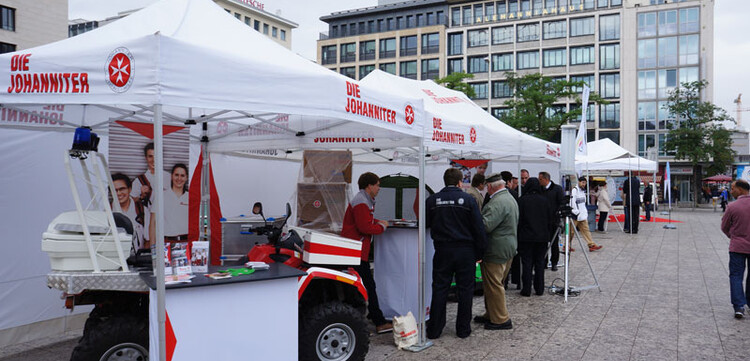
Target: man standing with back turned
(458,235)
(736,225)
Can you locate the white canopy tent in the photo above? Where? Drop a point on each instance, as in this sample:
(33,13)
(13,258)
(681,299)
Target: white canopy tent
(604,154)
(175,62)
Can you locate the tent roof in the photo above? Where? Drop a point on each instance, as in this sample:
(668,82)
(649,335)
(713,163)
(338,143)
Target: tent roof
(604,154)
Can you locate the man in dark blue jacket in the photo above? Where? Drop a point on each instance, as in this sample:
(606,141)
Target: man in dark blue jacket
(458,235)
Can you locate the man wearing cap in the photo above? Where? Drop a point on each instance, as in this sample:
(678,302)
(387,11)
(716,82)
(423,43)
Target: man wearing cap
(578,203)
(500,218)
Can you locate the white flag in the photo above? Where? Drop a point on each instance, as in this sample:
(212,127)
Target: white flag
(581,146)
(668,185)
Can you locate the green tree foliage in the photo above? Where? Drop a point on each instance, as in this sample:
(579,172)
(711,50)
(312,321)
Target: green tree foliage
(531,109)
(698,135)
(455,81)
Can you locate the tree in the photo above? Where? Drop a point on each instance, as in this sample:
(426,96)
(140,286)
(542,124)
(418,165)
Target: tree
(698,136)
(455,81)
(532,108)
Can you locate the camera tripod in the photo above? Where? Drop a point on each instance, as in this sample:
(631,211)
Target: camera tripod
(568,222)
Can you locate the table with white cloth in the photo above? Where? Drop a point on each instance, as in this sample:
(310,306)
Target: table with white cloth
(396,271)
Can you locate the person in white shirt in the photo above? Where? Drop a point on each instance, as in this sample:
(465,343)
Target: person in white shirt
(578,203)
(131,207)
(143,185)
(175,207)
(602,201)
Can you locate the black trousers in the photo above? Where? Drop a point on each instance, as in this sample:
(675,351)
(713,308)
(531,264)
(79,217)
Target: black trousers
(373,306)
(555,247)
(514,275)
(602,218)
(533,262)
(447,263)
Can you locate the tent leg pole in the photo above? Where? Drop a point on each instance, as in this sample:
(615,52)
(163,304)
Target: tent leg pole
(159,266)
(204,218)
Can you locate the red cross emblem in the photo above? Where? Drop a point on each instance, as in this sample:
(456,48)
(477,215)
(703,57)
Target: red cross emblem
(119,70)
(473,135)
(409,114)
(316,204)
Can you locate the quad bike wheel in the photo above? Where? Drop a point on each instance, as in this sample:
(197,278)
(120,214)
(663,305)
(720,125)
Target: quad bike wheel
(333,331)
(113,338)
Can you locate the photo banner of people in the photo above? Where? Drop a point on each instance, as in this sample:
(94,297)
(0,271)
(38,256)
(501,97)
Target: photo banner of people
(131,161)
(470,167)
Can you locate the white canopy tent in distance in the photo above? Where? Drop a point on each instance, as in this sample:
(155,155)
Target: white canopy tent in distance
(163,65)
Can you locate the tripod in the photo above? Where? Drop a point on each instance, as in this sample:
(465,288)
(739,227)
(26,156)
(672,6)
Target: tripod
(568,227)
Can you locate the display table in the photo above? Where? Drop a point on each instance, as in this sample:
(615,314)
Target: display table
(397,271)
(250,316)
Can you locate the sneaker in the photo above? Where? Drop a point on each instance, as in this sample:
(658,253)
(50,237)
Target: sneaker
(594,248)
(384,328)
(507,325)
(738,314)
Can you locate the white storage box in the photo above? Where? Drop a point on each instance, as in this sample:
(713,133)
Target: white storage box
(329,249)
(65,243)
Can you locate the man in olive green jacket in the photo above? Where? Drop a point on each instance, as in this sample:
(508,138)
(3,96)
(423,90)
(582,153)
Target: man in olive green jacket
(500,217)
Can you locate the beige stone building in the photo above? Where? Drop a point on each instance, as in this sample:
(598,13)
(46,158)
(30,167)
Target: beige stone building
(25,24)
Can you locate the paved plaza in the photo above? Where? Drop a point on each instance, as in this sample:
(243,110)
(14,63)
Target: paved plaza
(665,296)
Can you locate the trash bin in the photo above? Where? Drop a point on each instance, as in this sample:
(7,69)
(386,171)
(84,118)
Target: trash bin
(592,216)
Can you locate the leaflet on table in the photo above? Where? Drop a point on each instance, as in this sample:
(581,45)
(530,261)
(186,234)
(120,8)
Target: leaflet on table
(199,256)
(180,278)
(180,258)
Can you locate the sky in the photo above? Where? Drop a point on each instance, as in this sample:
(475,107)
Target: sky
(731,40)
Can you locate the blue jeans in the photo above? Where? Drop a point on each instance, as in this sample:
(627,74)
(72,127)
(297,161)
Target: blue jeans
(737,262)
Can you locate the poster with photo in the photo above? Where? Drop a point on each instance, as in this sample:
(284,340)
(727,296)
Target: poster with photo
(199,256)
(131,161)
(470,167)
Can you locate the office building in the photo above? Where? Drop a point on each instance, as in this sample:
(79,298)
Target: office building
(250,12)
(25,24)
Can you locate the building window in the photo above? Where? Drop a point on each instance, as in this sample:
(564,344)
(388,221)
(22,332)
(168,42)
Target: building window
(646,116)
(667,22)
(367,50)
(328,55)
(582,26)
(353,28)
(588,4)
(371,26)
(528,32)
(688,75)
(582,55)
(256,25)
(609,115)
(430,69)
(274,32)
(528,60)
(601,4)
(613,135)
(420,20)
(502,35)
(512,6)
(408,69)
(555,29)
(477,64)
(349,71)
(689,49)
(238,16)
(388,68)
(364,70)
(348,52)
(616,3)
(400,24)
(489,12)
(248,21)
(390,24)
(609,56)
(431,18)
(667,82)
(662,142)
(646,53)
(553,57)
(647,84)
(645,142)
(501,89)
(467,19)
(410,22)
(7,48)
(387,48)
(282,34)
(689,20)
(501,9)
(665,117)
(430,43)
(590,113)
(455,44)
(502,62)
(343,29)
(667,51)
(456,16)
(455,65)
(477,37)
(265,29)
(440,16)
(499,113)
(588,79)
(478,13)
(408,45)
(381,26)
(609,86)
(609,27)
(480,90)
(646,25)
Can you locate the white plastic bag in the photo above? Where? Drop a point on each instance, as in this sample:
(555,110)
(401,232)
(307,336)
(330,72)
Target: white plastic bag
(405,331)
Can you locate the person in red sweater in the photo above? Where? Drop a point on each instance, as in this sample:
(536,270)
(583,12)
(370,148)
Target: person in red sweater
(360,224)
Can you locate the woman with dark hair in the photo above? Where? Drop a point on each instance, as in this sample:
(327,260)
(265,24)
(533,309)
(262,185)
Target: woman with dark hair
(175,207)
(535,216)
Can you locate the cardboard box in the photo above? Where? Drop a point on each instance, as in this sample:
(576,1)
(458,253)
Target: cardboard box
(326,166)
(329,249)
(322,206)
